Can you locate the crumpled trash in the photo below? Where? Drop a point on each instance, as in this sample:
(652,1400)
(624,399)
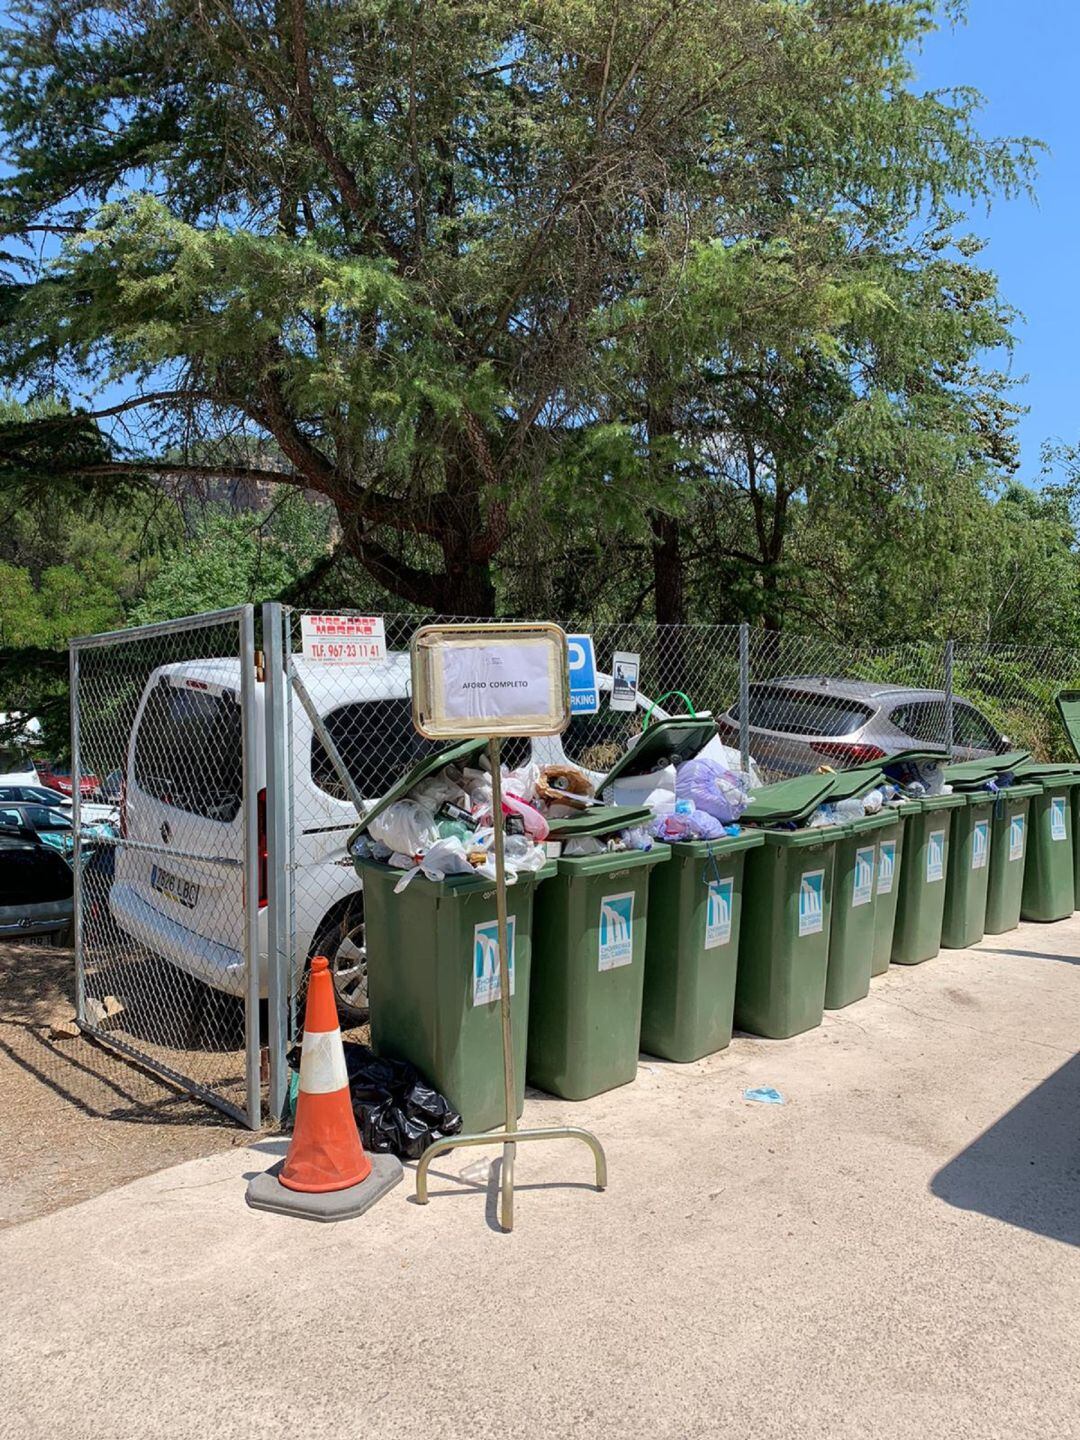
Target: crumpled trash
(583,845)
(637,838)
(396,1110)
(873,802)
(688,824)
(446,857)
(406,826)
(536,827)
(711,787)
(763,1095)
(565,785)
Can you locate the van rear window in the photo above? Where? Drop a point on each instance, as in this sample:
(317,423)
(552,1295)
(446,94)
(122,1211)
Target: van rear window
(189,752)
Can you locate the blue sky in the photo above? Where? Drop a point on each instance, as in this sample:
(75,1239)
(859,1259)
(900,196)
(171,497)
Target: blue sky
(1022,55)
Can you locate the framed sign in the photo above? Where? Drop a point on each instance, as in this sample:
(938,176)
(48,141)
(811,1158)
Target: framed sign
(489,680)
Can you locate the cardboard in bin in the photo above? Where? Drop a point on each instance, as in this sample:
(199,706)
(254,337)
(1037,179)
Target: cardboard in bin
(669,742)
(792,800)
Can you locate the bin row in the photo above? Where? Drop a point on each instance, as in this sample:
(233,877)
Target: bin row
(668,950)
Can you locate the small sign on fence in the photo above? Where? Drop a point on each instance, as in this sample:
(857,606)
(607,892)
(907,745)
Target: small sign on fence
(343,639)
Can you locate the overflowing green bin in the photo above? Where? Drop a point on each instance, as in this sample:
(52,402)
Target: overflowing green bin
(854,907)
(967,881)
(920,906)
(589,965)
(692,947)
(433,971)
(784,943)
(1008,852)
(887,886)
(1049,873)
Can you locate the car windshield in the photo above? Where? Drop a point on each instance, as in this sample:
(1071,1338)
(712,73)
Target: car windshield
(802,712)
(45,817)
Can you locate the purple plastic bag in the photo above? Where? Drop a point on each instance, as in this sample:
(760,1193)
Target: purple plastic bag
(713,788)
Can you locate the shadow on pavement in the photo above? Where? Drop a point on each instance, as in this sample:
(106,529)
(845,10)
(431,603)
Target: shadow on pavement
(1025,1169)
(1031,954)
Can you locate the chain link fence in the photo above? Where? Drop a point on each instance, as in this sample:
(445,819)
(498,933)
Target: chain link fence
(247,779)
(165,779)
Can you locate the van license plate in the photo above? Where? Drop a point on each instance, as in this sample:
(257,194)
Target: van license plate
(180,892)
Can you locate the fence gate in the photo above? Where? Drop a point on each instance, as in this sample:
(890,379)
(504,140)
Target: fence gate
(167,729)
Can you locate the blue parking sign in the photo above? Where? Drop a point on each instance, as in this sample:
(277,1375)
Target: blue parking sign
(584,691)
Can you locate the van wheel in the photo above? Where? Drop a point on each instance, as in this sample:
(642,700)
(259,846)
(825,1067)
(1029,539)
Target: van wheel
(341,939)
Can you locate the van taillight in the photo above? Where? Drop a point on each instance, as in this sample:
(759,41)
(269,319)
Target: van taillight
(123,808)
(264,857)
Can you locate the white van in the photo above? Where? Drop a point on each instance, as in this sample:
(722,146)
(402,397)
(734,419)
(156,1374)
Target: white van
(182,800)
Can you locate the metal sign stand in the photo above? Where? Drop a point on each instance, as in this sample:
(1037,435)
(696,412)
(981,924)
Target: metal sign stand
(511,1136)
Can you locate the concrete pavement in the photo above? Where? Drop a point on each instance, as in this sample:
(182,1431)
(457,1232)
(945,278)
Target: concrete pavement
(895,1252)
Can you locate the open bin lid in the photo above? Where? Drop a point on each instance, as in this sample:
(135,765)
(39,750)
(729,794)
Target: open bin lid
(669,742)
(599,820)
(1068,703)
(854,784)
(794,800)
(460,753)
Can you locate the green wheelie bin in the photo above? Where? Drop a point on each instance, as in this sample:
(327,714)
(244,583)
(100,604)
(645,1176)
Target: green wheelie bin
(692,947)
(589,961)
(887,887)
(967,882)
(920,906)
(433,972)
(1008,850)
(854,906)
(787,897)
(1049,875)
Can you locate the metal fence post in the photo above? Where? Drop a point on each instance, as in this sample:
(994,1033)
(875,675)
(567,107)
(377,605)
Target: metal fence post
(249,731)
(744,695)
(76,821)
(948,697)
(279,958)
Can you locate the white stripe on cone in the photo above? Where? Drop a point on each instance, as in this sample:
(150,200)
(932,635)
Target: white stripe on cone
(322,1063)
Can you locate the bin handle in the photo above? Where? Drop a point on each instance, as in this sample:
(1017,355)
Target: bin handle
(667,696)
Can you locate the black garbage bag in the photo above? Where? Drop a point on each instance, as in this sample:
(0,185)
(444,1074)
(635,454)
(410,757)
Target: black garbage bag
(397,1112)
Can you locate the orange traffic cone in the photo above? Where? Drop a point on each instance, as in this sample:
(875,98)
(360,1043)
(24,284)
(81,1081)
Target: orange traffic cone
(325,1175)
(325,1153)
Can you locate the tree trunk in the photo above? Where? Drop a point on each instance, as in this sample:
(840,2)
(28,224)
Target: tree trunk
(669,579)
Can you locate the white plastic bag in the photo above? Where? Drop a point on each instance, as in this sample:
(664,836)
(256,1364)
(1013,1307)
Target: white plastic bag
(405,826)
(656,790)
(446,857)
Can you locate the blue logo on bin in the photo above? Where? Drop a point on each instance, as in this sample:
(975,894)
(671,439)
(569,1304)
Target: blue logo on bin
(886,869)
(485,985)
(1057,818)
(718,913)
(616,930)
(1016,837)
(812,903)
(863,887)
(980,845)
(935,855)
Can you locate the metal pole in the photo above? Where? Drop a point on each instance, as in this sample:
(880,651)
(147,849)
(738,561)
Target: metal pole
(76,820)
(249,733)
(948,698)
(279,873)
(744,696)
(509,1148)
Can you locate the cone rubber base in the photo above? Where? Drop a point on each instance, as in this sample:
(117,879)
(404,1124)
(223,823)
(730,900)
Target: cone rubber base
(266,1192)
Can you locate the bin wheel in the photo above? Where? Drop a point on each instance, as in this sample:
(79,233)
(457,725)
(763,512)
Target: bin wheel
(340,938)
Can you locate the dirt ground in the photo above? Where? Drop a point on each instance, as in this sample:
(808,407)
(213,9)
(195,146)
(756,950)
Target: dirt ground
(76,1118)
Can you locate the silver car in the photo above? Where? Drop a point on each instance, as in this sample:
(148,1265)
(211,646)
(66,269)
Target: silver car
(801,722)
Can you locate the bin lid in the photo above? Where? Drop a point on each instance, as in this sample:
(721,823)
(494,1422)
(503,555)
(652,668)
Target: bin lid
(795,799)
(1068,703)
(598,820)
(668,742)
(966,773)
(458,753)
(1048,774)
(854,784)
(1017,792)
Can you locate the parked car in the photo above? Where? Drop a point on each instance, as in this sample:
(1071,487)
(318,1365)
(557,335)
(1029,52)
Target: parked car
(58,777)
(800,722)
(53,827)
(36,886)
(89,811)
(183,793)
(16,768)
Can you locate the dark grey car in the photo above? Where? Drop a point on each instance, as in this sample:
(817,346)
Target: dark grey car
(36,886)
(801,722)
